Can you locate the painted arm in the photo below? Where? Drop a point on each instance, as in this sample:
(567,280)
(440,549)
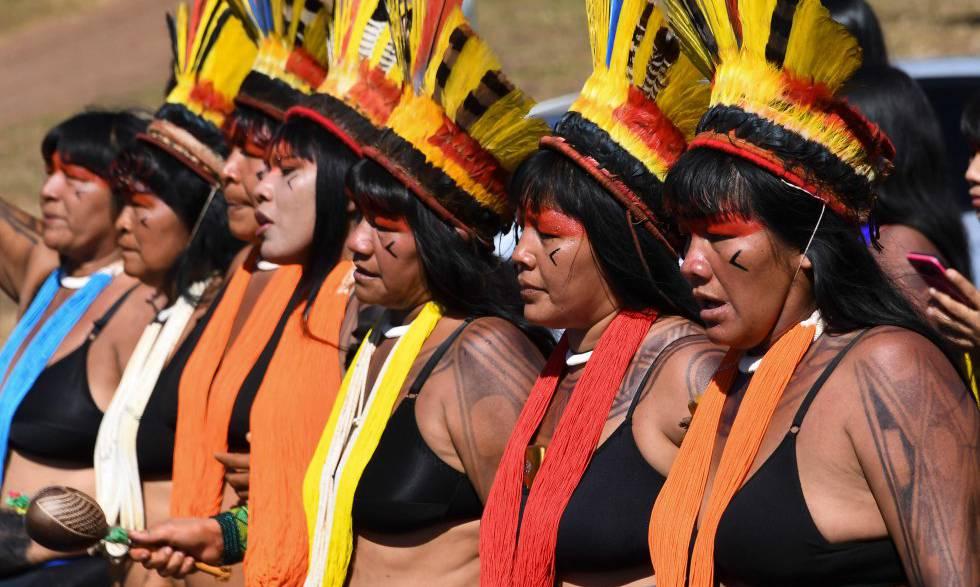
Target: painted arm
(20,236)
(916,437)
(494,367)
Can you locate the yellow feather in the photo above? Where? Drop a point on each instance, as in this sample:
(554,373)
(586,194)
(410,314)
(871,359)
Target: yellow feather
(716,14)
(819,48)
(597,12)
(181,24)
(756,18)
(682,25)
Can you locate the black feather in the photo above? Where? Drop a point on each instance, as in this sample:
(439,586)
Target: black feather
(779,29)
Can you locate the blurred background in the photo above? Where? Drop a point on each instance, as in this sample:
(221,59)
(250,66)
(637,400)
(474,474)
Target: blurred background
(59,56)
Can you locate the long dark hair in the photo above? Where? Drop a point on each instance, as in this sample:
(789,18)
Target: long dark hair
(850,289)
(185,192)
(92,139)
(917,193)
(463,276)
(308,140)
(548,178)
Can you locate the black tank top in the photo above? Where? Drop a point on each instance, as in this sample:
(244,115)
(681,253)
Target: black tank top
(405,486)
(158,425)
(604,526)
(767,536)
(58,419)
(241,414)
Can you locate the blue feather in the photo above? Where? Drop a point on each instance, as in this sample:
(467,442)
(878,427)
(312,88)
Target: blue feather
(260,8)
(615,7)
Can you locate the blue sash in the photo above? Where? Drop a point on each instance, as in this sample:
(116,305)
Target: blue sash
(20,376)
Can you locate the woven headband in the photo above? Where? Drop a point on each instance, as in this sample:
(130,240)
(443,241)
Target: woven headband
(623,194)
(327,124)
(186,148)
(423,193)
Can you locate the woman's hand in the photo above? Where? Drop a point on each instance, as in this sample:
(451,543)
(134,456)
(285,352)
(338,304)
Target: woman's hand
(172,548)
(959,323)
(236,470)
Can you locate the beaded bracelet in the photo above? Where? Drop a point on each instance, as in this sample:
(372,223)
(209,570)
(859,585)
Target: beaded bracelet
(234,532)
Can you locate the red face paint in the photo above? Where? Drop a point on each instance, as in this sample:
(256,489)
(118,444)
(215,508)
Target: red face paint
(76,172)
(726,225)
(144,200)
(389,224)
(553,222)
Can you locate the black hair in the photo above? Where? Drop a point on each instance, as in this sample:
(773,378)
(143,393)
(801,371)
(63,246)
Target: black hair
(859,19)
(186,193)
(548,178)
(970,122)
(463,276)
(917,193)
(850,288)
(92,139)
(249,121)
(333,158)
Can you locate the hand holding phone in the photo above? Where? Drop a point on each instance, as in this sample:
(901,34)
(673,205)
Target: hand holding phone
(933,272)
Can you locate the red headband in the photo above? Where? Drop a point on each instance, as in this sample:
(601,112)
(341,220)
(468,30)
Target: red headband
(795,176)
(623,194)
(420,191)
(329,125)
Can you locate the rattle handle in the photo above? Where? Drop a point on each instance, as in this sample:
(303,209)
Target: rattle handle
(222,574)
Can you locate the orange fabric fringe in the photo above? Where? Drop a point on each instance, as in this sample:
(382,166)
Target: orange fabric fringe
(210,384)
(677,507)
(287,418)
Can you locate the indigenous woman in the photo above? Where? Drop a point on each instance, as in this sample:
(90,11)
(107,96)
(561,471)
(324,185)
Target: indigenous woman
(227,366)
(80,319)
(396,488)
(916,208)
(836,444)
(175,239)
(596,257)
(304,218)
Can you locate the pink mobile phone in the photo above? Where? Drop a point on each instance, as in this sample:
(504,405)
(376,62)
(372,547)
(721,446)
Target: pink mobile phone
(933,272)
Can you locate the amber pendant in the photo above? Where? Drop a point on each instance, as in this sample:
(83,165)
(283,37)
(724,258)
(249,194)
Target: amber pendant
(533,457)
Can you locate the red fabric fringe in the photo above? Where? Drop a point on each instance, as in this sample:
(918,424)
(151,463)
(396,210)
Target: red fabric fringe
(529,559)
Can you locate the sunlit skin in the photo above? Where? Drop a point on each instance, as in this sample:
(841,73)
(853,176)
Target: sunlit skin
(151,237)
(76,232)
(286,210)
(742,276)
(77,213)
(388,268)
(240,176)
(561,285)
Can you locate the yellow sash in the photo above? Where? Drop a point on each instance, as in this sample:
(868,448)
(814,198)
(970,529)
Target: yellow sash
(352,433)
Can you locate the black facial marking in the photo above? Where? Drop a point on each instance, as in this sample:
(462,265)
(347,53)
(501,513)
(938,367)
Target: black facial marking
(552,254)
(735,263)
(388,248)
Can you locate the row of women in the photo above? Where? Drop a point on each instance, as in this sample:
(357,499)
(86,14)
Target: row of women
(269,325)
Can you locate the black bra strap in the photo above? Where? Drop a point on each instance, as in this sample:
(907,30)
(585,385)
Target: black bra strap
(430,365)
(101,323)
(639,390)
(812,394)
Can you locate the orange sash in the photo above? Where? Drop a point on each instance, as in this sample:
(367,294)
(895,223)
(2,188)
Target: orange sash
(676,509)
(210,384)
(288,416)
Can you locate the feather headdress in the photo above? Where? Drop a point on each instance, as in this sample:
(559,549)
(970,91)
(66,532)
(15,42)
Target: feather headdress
(292,51)
(362,85)
(644,95)
(459,114)
(775,67)
(212,53)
